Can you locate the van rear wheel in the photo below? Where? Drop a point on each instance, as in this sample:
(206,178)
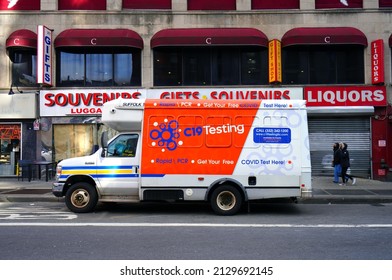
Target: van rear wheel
(226,200)
(81,198)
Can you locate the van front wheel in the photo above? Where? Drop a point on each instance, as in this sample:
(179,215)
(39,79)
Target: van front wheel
(81,198)
(226,200)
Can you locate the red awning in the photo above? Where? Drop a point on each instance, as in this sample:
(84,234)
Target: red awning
(209,37)
(324,36)
(99,38)
(22,38)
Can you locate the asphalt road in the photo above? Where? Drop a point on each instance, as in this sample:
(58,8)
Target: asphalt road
(281,231)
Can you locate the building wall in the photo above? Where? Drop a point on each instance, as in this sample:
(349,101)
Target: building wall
(375,23)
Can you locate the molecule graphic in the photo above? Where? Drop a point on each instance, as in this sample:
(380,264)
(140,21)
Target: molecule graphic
(166,135)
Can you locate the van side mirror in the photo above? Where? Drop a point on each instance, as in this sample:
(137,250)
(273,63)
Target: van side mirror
(104,143)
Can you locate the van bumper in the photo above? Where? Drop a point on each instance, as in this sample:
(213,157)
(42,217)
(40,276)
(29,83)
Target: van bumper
(57,189)
(306,193)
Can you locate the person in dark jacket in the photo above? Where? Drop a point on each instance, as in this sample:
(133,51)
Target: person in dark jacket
(345,163)
(337,168)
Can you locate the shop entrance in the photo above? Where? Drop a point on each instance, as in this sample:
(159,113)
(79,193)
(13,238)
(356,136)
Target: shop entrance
(10,135)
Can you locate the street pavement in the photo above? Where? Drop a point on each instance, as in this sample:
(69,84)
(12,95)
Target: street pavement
(324,191)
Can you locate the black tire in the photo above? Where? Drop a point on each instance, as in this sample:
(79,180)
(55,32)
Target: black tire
(81,198)
(226,200)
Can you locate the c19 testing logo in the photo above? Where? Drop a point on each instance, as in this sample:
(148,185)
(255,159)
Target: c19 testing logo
(168,132)
(166,135)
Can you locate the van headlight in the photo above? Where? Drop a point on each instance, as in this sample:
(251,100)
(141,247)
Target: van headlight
(59,168)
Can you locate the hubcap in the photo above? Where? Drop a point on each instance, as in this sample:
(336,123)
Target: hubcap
(226,200)
(80,198)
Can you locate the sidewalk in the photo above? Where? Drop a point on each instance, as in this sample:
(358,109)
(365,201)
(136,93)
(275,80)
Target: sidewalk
(324,191)
(12,190)
(364,191)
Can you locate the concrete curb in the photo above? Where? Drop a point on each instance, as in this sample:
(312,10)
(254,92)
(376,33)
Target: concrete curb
(30,198)
(324,192)
(338,199)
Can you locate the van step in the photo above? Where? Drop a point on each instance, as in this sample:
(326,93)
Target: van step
(119,198)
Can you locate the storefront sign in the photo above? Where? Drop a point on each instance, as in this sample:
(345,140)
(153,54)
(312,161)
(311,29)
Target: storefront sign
(44,56)
(81,102)
(9,131)
(381,172)
(18,106)
(275,61)
(36,124)
(346,96)
(227,93)
(382,143)
(377,62)
(89,102)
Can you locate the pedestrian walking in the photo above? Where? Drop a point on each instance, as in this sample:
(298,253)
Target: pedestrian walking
(337,168)
(345,163)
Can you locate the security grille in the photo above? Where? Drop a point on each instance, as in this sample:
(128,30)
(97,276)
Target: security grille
(355,131)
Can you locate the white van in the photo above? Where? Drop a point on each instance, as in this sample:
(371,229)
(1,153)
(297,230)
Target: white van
(225,152)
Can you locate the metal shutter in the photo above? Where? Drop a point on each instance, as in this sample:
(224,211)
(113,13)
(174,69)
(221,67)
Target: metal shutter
(355,131)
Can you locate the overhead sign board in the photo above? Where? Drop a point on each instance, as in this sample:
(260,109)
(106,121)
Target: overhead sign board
(346,96)
(66,102)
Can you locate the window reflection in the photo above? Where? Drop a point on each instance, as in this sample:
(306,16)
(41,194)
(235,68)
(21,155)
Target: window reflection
(72,69)
(123,67)
(24,68)
(225,67)
(101,68)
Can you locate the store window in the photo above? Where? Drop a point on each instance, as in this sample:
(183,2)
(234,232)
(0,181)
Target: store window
(24,67)
(332,64)
(338,4)
(147,4)
(98,67)
(210,66)
(98,57)
(10,135)
(323,55)
(21,48)
(276,4)
(73,140)
(210,57)
(220,5)
(82,5)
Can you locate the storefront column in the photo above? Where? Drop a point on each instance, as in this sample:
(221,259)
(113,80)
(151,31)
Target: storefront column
(381,139)
(179,6)
(307,4)
(49,5)
(114,5)
(370,4)
(244,5)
